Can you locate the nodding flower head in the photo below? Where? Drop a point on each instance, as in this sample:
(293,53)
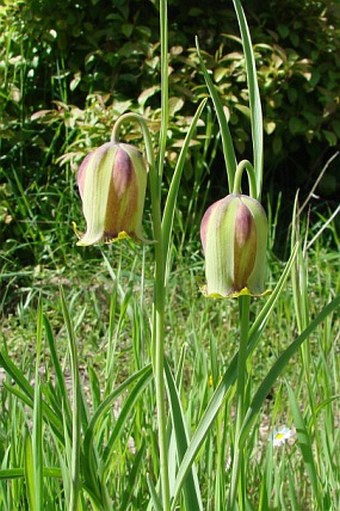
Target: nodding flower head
(234,239)
(112,183)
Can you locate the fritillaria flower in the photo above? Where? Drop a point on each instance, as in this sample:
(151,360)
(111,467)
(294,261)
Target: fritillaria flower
(234,239)
(112,183)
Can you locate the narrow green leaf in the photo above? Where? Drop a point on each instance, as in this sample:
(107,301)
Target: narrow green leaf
(12,473)
(27,394)
(292,490)
(29,473)
(266,487)
(126,498)
(163,18)
(254,96)
(37,432)
(157,504)
(227,142)
(60,385)
(170,204)
(305,444)
(37,441)
(16,374)
(106,405)
(77,409)
(121,421)
(281,363)
(15,473)
(191,487)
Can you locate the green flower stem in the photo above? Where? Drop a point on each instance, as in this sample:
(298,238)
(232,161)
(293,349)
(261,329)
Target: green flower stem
(160,264)
(163,18)
(245,165)
(237,477)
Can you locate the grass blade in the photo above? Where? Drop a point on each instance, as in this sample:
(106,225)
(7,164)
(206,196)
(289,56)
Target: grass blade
(37,441)
(157,504)
(27,394)
(305,445)
(280,364)
(60,379)
(125,411)
(29,474)
(132,479)
(170,204)
(37,434)
(191,486)
(227,141)
(254,96)
(106,405)
(76,412)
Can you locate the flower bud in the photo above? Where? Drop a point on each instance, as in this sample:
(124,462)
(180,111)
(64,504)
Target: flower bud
(234,239)
(112,182)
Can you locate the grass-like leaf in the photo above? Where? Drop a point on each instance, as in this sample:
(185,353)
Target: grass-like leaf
(157,504)
(37,441)
(60,386)
(305,445)
(77,409)
(29,474)
(254,96)
(27,394)
(121,421)
(227,141)
(133,477)
(37,434)
(281,363)
(170,204)
(191,487)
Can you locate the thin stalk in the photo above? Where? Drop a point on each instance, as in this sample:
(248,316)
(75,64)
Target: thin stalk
(76,414)
(237,475)
(163,18)
(160,263)
(245,165)
(37,435)
(158,363)
(256,117)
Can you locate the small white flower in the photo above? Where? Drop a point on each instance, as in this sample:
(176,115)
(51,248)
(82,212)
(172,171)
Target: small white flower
(281,435)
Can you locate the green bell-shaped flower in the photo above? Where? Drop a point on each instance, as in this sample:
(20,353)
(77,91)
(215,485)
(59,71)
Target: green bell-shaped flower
(234,239)
(112,183)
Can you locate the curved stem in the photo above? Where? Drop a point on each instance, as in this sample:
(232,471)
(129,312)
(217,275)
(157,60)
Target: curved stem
(245,165)
(131,117)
